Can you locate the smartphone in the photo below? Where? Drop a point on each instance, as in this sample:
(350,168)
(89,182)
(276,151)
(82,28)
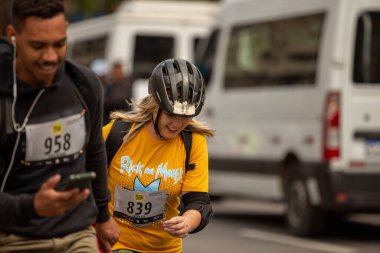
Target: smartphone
(81,181)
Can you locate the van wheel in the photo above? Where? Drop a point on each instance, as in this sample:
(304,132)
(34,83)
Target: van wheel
(302,218)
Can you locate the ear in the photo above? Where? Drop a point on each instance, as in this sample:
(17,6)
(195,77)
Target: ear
(11,32)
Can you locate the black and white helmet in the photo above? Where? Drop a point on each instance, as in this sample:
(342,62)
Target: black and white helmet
(178,87)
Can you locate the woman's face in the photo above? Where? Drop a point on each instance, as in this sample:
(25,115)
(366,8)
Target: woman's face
(172,125)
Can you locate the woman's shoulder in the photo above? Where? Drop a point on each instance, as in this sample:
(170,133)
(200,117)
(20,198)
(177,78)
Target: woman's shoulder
(107,128)
(198,137)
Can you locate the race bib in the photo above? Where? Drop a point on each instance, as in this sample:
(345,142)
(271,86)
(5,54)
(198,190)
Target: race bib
(55,142)
(140,208)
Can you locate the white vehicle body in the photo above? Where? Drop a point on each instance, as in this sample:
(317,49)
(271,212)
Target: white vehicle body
(142,33)
(293,90)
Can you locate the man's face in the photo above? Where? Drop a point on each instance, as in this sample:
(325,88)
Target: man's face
(41,48)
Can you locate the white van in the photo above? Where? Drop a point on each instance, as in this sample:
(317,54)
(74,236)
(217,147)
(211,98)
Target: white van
(142,33)
(293,90)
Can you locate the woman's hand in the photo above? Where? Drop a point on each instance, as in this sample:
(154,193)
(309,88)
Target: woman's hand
(180,226)
(108,233)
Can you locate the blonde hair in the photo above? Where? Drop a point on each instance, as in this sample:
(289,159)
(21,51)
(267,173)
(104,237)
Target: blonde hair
(144,112)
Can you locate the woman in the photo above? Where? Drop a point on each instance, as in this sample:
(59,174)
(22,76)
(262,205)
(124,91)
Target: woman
(147,176)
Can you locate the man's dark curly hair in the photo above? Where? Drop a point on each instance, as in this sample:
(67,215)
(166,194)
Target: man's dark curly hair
(22,9)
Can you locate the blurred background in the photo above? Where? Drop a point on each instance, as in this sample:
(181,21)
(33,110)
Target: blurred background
(76,9)
(293,92)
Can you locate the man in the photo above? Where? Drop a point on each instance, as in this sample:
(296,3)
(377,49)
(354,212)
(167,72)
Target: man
(50,128)
(117,92)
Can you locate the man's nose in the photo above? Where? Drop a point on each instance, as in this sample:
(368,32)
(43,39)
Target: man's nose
(50,55)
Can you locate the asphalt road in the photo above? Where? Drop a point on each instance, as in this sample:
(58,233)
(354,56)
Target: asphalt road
(246,226)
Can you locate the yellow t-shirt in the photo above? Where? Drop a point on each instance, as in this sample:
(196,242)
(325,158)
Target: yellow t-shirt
(146,178)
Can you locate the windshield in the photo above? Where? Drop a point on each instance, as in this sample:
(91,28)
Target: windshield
(207,54)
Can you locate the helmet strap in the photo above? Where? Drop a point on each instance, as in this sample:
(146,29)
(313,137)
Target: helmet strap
(155,122)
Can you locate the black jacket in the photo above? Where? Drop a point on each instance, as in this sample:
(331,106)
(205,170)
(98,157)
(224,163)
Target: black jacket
(75,87)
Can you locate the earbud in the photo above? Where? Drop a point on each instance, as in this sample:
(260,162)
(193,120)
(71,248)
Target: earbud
(13,39)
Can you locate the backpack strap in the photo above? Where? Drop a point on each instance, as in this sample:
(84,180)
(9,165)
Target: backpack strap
(6,126)
(82,83)
(86,89)
(2,120)
(115,138)
(187,137)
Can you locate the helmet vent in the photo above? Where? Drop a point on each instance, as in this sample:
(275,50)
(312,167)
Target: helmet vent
(169,92)
(176,67)
(166,78)
(164,70)
(189,68)
(179,94)
(191,95)
(199,74)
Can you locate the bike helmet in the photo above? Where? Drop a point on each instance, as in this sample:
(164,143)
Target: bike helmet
(177,87)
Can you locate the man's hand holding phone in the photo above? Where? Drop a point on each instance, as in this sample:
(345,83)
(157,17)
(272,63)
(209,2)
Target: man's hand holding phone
(81,181)
(49,201)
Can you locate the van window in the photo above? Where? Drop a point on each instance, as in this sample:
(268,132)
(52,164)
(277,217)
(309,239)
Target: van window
(196,42)
(205,56)
(149,51)
(367,49)
(86,51)
(280,52)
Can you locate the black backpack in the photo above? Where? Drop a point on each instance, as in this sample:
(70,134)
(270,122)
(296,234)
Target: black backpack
(120,128)
(5,118)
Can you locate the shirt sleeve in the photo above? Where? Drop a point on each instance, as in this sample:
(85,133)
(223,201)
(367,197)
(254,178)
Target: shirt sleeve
(16,209)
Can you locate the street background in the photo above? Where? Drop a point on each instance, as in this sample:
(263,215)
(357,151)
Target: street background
(247,226)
